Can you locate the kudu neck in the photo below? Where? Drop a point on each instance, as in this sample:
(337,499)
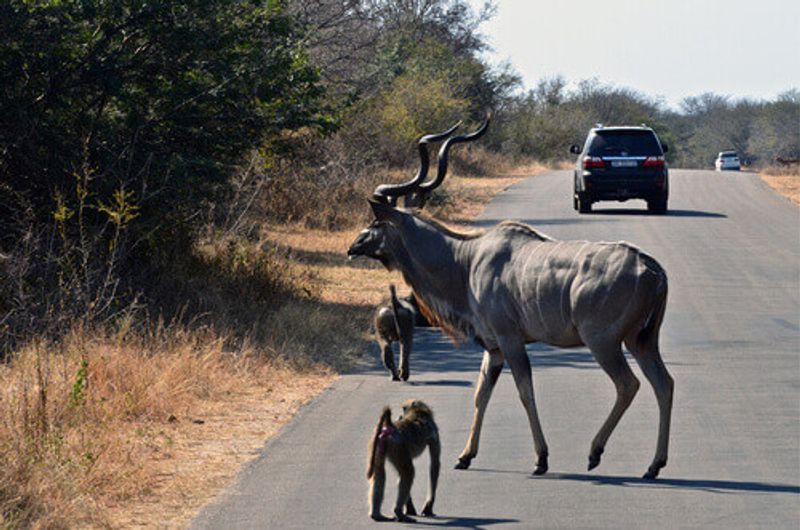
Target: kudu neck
(435,264)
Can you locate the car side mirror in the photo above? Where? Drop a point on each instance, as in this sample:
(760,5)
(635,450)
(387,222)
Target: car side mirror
(574,149)
(665,147)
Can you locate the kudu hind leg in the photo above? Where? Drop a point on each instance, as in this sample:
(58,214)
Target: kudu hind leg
(612,361)
(523,377)
(491,367)
(663,385)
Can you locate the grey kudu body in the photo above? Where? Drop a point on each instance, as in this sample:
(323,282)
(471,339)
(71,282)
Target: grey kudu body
(511,285)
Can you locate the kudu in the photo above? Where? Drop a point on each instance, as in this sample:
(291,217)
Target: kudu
(511,285)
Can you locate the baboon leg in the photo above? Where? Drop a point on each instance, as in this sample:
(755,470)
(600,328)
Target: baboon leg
(405,468)
(663,385)
(376,486)
(388,360)
(435,450)
(405,354)
(611,359)
(491,367)
(523,377)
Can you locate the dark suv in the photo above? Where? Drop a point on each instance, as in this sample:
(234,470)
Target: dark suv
(621,163)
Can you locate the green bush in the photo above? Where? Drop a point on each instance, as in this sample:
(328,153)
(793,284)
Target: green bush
(160,98)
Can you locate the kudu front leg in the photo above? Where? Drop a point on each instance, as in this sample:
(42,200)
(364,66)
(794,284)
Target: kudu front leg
(491,367)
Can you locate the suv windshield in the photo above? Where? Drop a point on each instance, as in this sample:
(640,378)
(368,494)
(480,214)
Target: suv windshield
(624,143)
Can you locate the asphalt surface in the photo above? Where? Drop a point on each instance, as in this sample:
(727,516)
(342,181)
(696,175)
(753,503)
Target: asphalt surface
(731,340)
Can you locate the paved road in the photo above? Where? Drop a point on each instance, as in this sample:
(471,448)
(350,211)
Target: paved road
(731,340)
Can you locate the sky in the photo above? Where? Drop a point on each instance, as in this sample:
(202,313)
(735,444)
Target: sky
(670,48)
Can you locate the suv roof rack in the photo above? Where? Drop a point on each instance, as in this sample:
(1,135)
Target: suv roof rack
(598,125)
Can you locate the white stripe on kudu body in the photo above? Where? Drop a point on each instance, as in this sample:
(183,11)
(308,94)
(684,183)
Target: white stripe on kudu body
(566,285)
(512,285)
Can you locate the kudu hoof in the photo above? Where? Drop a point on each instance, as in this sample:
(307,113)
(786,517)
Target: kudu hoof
(463,463)
(541,466)
(403,518)
(652,471)
(594,459)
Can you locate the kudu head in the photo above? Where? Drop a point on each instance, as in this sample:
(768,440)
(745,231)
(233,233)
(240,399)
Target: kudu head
(374,241)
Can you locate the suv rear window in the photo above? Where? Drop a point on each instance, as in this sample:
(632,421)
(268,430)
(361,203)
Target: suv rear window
(728,155)
(624,143)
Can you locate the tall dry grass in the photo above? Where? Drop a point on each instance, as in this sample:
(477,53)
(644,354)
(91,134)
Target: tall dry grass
(85,418)
(73,412)
(331,195)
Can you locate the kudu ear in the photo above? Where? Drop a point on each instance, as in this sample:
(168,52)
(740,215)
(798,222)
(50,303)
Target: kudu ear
(385,212)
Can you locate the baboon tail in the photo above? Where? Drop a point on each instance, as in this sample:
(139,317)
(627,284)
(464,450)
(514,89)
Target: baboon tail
(649,332)
(395,309)
(386,419)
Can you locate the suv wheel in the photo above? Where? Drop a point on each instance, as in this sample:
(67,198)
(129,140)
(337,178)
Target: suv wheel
(657,206)
(584,204)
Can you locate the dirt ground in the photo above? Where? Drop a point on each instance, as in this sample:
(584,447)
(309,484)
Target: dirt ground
(787,184)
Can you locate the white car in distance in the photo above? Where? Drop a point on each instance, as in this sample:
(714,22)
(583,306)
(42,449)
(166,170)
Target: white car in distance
(727,160)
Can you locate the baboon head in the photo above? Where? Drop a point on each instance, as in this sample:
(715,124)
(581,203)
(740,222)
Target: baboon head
(417,408)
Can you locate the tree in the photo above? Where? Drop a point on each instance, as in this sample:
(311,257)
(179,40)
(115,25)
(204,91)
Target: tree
(156,97)
(776,129)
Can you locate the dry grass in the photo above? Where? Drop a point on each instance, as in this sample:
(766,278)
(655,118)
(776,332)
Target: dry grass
(785,180)
(140,429)
(119,430)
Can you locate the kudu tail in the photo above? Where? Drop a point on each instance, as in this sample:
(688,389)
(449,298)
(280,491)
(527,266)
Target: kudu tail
(648,336)
(386,419)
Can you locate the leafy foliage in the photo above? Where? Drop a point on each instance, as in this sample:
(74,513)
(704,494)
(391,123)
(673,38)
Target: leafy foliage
(158,97)
(120,124)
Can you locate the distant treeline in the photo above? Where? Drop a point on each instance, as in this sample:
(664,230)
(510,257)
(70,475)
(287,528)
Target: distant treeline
(131,128)
(546,118)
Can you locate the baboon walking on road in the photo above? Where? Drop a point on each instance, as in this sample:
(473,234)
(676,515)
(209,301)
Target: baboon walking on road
(400,443)
(394,322)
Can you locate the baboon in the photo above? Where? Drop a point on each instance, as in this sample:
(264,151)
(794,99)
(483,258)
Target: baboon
(394,322)
(400,443)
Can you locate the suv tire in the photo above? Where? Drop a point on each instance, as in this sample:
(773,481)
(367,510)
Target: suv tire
(584,204)
(657,206)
